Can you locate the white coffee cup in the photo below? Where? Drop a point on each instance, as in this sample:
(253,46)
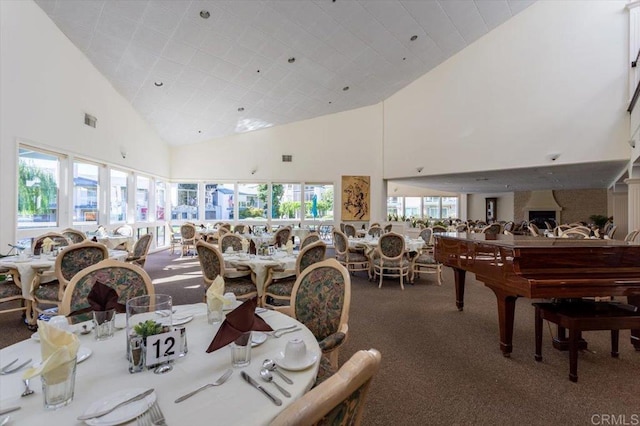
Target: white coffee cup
(60,321)
(231,299)
(295,352)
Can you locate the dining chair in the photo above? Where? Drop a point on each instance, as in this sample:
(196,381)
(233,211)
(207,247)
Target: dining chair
(375,231)
(349,230)
(239,229)
(10,292)
(427,236)
(226,226)
(212,264)
(320,299)
(351,259)
(631,236)
(74,236)
(68,263)
(189,236)
(59,239)
(338,401)
(611,232)
(140,250)
(124,230)
(438,229)
(534,230)
(493,229)
(309,239)
(425,262)
(281,236)
(390,259)
(279,283)
(175,238)
(127,279)
(388,228)
(229,240)
(575,233)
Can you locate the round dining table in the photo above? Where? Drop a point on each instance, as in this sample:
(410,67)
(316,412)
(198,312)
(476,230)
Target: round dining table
(105,372)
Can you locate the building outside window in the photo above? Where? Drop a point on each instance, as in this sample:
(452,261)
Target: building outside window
(285,201)
(161,199)
(118,201)
(450,207)
(218,201)
(252,201)
(395,207)
(184,201)
(412,207)
(38,183)
(142,198)
(85,193)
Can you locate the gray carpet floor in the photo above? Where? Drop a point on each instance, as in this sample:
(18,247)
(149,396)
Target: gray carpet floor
(444,367)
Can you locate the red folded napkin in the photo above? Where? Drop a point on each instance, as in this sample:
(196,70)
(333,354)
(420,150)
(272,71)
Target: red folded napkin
(238,321)
(103,298)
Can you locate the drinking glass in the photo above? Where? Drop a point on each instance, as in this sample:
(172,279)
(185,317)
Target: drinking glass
(241,350)
(58,385)
(104,323)
(157,308)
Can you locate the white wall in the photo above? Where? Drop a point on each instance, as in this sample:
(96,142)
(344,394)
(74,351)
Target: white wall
(46,86)
(551,79)
(476,206)
(324,149)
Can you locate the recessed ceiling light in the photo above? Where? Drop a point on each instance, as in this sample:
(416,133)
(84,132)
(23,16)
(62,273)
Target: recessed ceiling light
(345,88)
(330,102)
(257,71)
(291,60)
(199,131)
(204,14)
(158,84)
(413,38)
(240,109)
(404,59)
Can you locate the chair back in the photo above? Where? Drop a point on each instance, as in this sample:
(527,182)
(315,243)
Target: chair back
(309,239)
(493,229)
(187,231)
(534,230)
(282,236)
(240,229)
(74,236)
(211,261)
(388,228)
(128,280)
(339,400)
(426,235)
(349,230)
(611,231)
(226,226)
(77,257)
(461,228)
(141,248)
(59,239)
(391,246)
(509,226)
(230,240)
(124,230)
(438,228)
(321,298)
(375,231)
(631,236)
(312,253)
(575,233)
(340,242)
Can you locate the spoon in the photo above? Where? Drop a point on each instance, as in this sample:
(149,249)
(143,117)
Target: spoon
(267,377)
(5,420)
(270,365)
(27,391)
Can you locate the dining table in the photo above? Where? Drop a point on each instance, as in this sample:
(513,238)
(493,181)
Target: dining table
(113,241)
(260,265)
(104,374)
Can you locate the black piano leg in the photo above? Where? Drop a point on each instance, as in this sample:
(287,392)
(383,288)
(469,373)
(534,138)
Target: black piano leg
(635,334)
(459,276)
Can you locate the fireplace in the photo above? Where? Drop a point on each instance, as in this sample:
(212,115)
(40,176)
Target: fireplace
(539,217)
(542,206)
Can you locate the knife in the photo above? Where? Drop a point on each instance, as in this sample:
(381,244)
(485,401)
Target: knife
(9,410)
(137,397)
(256,385)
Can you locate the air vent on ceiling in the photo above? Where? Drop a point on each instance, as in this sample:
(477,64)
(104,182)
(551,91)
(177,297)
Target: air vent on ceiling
(90,120)
(287,158)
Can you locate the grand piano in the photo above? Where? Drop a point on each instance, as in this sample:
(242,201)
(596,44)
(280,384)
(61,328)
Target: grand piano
(536,267)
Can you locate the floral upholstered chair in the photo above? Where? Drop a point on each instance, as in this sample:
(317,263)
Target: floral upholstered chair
(74,236)
(127,279)
(375,231)
(69,262)
(10,291)
(229,240)
(309,239)
(351,259)
(350,230)
(59,241)
(189,236)
(390,260)
(493,229)
(281,236)
(279,283)
(320,299)
(338,401)
(140,250)
(212,264)
(240,228)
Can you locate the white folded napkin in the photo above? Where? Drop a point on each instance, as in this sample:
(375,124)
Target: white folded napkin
(289,247)
(215,294)
(245,245)
(58,347)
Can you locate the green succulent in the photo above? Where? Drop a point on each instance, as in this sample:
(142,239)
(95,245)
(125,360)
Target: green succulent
(147,328)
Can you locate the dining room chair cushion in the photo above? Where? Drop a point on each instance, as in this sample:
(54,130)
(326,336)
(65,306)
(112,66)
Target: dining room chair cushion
(242,287)
(325,370)
(353,257)
(425,259)
(281,288)
(397,263)
(47,291)
(9,289)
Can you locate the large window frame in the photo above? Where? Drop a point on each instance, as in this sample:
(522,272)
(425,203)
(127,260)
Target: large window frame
(86,193)
(39,183)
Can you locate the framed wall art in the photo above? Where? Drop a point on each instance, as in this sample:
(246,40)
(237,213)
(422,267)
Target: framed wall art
(355,197)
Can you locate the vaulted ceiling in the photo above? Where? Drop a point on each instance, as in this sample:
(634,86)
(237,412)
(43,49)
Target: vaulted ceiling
(199,70)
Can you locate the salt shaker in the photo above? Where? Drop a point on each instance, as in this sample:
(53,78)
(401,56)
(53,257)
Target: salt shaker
(183,341)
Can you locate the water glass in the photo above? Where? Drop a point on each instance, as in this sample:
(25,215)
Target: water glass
(214,311)
(104,324)
(157,308)
(58,385)
(241,350)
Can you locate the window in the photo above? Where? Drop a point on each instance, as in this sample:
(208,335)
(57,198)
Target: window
(285,201)
(184,201)
(161,199)
(142,198)
(431,207)
(160,236)
(318,201)
(218,201)
(412,207)
(118,183)
(252,201)
(394,207)
(85,193)
(450,207)
(37,189)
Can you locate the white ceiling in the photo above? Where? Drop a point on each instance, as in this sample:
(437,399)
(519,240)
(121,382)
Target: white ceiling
(239,56)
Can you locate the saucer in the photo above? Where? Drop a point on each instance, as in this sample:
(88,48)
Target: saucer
(122,414)
(83,353)
(232,306)
(257,338)
(302,365)
(179,319)
(35,336)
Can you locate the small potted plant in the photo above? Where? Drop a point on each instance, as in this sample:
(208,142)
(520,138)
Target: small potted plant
(138,342)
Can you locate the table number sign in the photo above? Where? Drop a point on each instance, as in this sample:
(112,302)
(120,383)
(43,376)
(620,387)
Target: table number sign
(163,347)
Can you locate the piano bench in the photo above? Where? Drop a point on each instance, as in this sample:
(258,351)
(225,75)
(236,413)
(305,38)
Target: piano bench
(585,316)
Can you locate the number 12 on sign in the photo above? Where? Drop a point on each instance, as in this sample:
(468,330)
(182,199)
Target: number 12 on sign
(163,347)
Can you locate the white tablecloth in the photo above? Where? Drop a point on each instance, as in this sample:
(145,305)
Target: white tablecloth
(261,264)
(106,372)
(113,241)
(410,244)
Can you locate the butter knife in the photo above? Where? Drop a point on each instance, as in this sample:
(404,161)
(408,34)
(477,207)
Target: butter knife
(9,410)
(256,385)
(107,411)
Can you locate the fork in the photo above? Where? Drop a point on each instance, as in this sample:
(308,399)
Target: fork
(157,418)
(143,419)
(218,382)
(9,365)
(279,333)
